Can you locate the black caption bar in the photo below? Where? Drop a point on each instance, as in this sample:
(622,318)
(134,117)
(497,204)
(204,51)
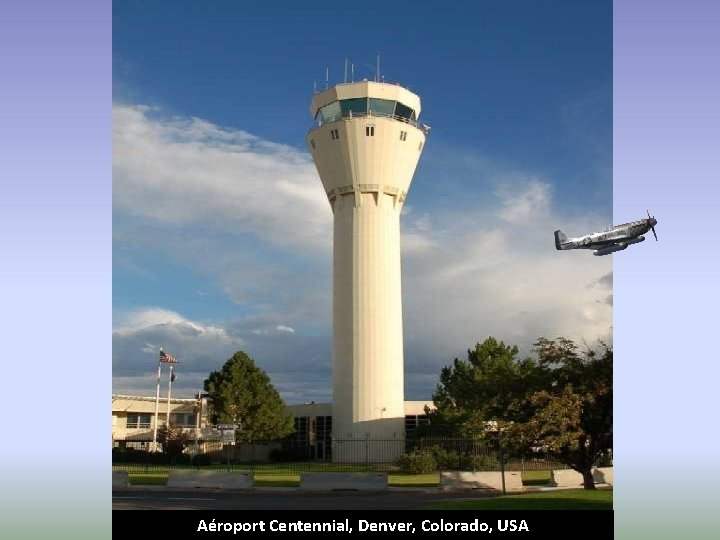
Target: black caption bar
(556,524)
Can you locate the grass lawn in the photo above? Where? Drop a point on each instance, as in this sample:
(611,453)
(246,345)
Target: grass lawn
(571,499)
(414,480)
(159,479)
(534,478)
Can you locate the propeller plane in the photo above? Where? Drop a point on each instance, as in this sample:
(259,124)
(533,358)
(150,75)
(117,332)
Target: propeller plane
(610,240)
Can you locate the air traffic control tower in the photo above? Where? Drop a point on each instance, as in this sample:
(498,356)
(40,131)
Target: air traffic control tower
(366,143)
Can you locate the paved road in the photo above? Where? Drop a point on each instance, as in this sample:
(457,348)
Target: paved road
(130,499)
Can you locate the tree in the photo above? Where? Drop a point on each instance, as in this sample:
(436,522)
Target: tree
(241,393)
(173,440)
(489,386)
(573,418)
(561,402)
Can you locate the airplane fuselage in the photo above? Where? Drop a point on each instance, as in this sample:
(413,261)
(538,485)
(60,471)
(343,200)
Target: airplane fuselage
(605,242)
(626,231)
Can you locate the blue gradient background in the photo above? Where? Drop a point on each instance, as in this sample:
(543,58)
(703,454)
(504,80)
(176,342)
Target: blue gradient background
(667,159)
(55,208)
(55,319)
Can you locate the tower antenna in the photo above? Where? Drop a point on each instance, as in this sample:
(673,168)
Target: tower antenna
(327,78)
(377,69)
(352,72)
(345,70)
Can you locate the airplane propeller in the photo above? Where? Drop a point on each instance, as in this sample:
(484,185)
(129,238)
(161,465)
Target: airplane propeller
(652,226)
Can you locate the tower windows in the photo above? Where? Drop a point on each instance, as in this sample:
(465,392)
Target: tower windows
(404,113)
(349,108)
(403,135)
(370,131)
(334,135)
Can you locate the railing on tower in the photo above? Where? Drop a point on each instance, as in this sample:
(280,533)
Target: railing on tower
(350,114)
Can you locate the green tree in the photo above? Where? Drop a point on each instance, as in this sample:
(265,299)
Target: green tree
(241,393)
(490,385)
(560,402)
(573,417)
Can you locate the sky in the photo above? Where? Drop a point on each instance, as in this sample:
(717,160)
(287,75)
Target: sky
(221,229)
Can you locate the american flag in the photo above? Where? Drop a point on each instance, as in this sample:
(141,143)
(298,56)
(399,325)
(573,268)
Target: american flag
(165,357)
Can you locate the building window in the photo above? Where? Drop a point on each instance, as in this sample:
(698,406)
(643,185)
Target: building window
(370,131)
(301,429)
(182,419)
(312,143)
(381,107)
(353,107)
(334,135)
(403,135)
(136,420)
(412,422)
(404,113)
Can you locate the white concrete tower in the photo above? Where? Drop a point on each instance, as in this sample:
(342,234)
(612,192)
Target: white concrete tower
(366,144)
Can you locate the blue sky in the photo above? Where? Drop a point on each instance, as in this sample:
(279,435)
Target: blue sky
(221,229)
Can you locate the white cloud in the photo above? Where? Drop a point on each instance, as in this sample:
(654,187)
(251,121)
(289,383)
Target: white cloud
(296,363)
(183,171)
(522,204)
(139,334)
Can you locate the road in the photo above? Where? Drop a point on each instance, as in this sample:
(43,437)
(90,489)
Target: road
(130,499)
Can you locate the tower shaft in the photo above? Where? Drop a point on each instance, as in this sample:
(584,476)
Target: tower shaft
(368,390)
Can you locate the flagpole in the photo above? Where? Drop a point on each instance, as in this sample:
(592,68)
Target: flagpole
(157,408)
(169,392)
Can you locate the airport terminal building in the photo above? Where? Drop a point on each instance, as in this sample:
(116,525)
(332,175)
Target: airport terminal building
(133,422)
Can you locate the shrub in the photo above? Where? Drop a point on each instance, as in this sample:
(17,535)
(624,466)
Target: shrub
(445,459)
(200,460)
(182,459)
(418,462)
(289,454)
(481,462)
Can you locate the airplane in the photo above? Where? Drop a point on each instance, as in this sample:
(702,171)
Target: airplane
(610,240)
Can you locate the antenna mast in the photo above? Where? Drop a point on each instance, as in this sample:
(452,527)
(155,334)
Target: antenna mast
(327,78)
(345,70)
(377,69)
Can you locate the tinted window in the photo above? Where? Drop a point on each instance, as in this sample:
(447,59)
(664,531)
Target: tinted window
(356,106)
(330,112)
(404,112)
(382,106)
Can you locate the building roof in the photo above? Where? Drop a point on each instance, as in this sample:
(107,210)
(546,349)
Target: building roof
(146,404)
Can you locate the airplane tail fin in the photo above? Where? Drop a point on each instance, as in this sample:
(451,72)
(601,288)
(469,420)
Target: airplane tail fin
(560,239)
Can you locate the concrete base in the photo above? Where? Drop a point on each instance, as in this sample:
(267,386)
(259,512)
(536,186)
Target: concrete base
(209,479)
(345,481)
(573,479)
(603,475)
(120,479)
(490,480)
(567,478)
